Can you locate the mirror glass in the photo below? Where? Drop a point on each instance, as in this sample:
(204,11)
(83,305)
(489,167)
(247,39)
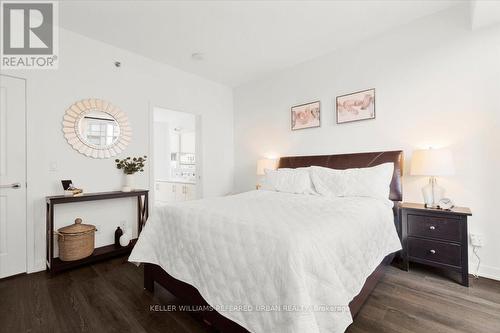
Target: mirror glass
(98,128)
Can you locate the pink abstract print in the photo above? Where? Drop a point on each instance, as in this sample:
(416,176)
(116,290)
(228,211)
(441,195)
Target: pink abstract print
(306,115)
(356,106)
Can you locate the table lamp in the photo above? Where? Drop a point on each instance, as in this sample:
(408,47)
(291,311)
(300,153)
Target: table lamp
(265,164)
(432,163)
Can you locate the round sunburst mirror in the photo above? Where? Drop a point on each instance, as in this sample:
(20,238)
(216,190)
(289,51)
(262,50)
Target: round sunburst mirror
(96,128)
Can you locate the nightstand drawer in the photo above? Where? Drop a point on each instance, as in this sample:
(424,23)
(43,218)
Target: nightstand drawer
(444,228)
(440,252)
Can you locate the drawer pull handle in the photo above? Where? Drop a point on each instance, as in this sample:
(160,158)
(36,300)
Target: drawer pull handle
(432,227)
(432,251)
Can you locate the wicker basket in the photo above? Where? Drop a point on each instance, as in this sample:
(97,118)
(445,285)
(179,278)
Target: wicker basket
(76,241)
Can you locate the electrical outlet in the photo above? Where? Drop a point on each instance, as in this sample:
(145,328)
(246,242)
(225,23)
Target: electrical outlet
(476,240)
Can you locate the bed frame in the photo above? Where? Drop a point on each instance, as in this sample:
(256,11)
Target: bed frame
(189,295)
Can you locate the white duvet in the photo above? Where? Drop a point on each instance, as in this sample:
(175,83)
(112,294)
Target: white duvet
(272,261)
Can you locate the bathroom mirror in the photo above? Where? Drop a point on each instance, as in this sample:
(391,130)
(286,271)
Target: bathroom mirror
(96,128)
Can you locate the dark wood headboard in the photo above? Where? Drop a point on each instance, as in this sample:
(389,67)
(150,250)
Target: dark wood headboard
(356,160)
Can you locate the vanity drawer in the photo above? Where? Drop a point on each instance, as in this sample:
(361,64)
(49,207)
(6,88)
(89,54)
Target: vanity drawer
(439,252)
(444,228)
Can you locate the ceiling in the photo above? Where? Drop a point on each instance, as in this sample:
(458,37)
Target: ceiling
(484,13)
(240,40)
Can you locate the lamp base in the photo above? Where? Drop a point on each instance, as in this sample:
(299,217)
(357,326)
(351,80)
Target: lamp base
(432,206)
(432,193)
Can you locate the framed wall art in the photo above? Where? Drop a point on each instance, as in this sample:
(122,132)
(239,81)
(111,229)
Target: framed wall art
(306,115)
(356,106)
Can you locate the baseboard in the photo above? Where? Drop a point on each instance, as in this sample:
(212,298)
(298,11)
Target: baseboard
(485,271)
(489,272)
(38,266)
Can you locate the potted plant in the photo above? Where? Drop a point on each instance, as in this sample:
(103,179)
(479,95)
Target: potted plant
(130,165)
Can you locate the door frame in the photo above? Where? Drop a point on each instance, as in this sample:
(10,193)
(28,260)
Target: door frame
(29,220)
(198,150)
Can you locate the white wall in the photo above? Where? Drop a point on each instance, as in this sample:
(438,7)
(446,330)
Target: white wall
(86,70)
(437,84)
(183,120)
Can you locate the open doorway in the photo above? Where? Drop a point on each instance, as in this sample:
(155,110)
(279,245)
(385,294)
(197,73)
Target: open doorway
(176,159)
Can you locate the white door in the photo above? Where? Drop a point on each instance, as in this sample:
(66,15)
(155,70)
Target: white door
(12,176)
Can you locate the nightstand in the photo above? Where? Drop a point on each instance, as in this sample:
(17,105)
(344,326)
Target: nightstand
(435,237)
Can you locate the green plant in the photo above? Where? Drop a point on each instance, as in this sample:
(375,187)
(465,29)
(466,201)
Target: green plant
(131,165)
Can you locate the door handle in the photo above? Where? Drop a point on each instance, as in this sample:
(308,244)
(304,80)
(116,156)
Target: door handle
(13,185)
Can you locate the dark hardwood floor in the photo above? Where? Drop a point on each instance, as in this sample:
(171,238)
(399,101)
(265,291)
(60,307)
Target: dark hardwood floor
(108,297)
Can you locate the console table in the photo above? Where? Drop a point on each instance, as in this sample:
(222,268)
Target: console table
(55,265)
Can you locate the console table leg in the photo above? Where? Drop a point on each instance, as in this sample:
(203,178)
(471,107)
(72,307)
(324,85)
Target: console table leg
(49,235)
(149,283)
(139,210)
(142,211)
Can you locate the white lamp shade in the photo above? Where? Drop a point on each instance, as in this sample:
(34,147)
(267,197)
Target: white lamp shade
(266,164)
(432,162)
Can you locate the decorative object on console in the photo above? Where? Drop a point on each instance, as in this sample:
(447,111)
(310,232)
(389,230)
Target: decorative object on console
(76,241)
(265,164)
(432,163)
(356,106)
(130,166)
(66,184)
(69,189)
(126,237)
(96,128)
(118,234)
(306,115)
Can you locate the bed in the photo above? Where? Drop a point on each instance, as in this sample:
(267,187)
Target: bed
(265,261)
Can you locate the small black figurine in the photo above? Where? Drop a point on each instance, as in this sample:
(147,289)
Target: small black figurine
(118,234)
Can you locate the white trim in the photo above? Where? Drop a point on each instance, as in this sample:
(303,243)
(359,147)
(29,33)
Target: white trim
(199,156)
(485,271)
(489,272)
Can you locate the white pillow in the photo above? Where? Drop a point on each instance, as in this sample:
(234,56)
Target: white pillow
(288,180)
(310,186)
(371,182)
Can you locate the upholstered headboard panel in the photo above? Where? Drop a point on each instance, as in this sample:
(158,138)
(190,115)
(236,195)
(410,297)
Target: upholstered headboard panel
(357,160)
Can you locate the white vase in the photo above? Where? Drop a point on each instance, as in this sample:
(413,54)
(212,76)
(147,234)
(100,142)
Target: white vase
(125,237)
(129,183)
